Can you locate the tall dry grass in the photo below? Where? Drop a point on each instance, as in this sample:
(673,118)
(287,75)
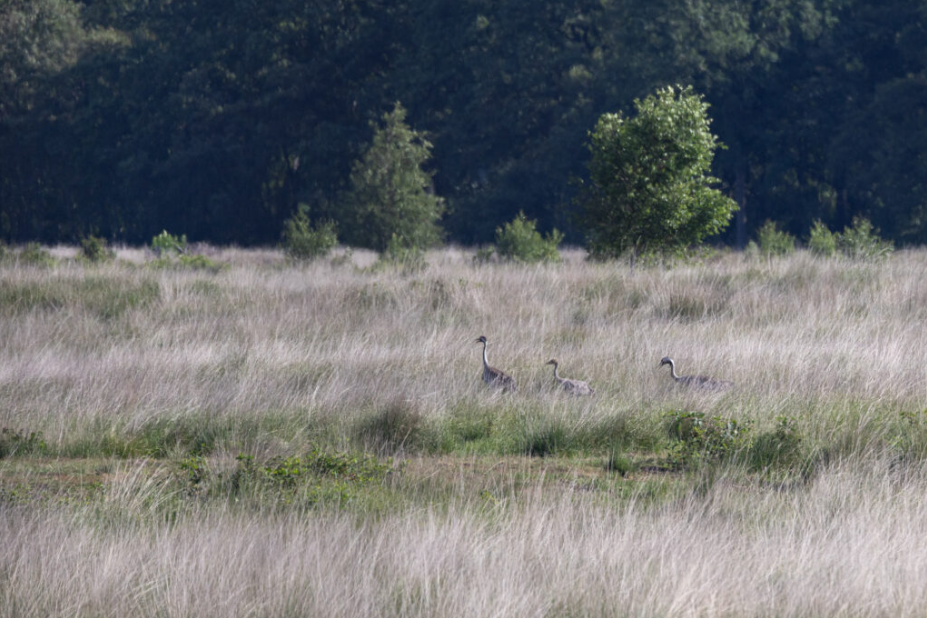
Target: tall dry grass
(849,544)
(265,358)
(120,346)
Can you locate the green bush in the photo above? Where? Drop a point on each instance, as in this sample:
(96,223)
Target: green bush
(187,262)
(779,447)
(172,254)
(165,244)
(862,241)
(398,425)
(773,241)
(484,255)
(697,438)
(14,442)
(94,249)
(521,242)
(821,240)
(34,254)
(302,241)
(859,242)
(410,258)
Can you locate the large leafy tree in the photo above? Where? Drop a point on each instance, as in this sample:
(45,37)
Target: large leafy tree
(391,200)
(649,185)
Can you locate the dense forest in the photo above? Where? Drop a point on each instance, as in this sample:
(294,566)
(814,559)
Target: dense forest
(215,119)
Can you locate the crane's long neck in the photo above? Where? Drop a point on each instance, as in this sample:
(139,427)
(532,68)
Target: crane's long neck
(673,370)
(485,362)
(556,377)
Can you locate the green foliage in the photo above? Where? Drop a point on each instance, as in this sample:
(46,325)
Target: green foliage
(172,254)
(99,296)
(520,241)
(484,255)
(398,425)
(650,189)
(34,254)
(13,442)
(398,253)
(618,461)
(697,438)
(821,241)
(166,245)
(302,241)
(862,241)
(391,201)
(94,250)
(773,241)
(195,468)
(124,152)
(545,437)
(317,478)
(777,448)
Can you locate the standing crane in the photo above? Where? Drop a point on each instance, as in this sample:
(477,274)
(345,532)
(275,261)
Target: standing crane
(491,375)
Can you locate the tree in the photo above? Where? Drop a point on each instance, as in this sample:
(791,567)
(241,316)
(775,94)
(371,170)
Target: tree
(391,193)
(649,190)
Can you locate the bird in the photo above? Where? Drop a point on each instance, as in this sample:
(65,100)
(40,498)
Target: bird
(698,381)
(491,375)
(574,387)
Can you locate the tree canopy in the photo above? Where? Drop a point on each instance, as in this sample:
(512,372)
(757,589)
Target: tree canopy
(649,185)
(122,118)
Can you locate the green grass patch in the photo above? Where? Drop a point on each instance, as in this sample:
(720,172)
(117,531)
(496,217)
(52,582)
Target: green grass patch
(105,297)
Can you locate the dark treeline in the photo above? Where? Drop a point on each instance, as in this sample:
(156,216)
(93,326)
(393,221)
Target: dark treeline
(215,118)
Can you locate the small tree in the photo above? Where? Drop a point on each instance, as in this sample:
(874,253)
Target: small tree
(390,193)
(94,249)
(303,242)
(773,241)
(520,241)
(650,192)
(862,241)
(821,240)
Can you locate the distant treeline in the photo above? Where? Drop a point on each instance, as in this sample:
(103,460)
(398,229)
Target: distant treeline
(216,118)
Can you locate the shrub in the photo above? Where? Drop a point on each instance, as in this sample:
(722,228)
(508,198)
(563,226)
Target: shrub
(34,254)
(521,242)
(484,255)
(302,241)
(165,244)
(93,249)
(697,438)
(14,442)
(821,240)
(399,425)
(773,241)
(862,241)
(400,253)
(172,254)
(779,447)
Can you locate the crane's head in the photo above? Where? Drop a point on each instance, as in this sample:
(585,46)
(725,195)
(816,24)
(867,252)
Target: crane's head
(666,361)
(552,361)
(481,339)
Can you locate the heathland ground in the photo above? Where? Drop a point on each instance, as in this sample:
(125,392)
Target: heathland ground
(273,439)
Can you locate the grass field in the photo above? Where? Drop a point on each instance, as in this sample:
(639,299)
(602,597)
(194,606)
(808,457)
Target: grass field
(270,439)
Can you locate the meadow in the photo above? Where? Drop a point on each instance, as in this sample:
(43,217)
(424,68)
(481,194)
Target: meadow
(278,439)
